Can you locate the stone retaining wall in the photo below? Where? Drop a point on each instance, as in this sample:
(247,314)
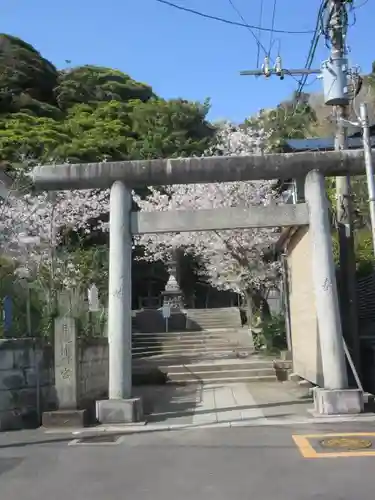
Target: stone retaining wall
(31,384)
(26,382)
(92,371)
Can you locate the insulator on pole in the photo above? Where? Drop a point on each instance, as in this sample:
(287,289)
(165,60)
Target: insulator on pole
(266,67)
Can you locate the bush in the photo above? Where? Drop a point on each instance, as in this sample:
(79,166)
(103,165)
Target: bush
(271,335)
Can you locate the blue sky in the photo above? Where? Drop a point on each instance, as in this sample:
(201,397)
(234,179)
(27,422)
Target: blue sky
(179,54)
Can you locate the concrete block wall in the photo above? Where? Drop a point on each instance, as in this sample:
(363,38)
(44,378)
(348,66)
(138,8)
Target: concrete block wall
(27,379)
(93,370)
(26,365)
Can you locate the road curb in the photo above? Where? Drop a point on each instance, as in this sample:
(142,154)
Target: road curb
(269,422)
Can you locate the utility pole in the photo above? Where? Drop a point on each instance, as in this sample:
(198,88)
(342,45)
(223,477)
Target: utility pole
(369,168)
(335,81)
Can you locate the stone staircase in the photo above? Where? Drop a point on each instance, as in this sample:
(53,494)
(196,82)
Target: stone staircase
(216,371)
(215,355)
(211,319)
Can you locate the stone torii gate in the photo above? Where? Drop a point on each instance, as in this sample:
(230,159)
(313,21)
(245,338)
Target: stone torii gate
(123,176)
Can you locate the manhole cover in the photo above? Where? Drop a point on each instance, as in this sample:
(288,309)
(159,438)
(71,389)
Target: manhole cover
(101,439)
(346,443)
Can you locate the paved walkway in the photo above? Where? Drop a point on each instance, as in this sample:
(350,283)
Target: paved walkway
(230,403)
(240,404)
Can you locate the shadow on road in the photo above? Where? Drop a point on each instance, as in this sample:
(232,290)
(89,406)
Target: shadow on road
(171,400)
(178,410)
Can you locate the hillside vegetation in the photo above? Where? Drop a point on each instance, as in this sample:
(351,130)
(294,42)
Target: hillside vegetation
(88,113)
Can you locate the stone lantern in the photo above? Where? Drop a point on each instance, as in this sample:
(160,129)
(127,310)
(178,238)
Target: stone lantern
(172,295)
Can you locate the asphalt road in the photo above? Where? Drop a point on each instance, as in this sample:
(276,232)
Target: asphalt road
(261,463)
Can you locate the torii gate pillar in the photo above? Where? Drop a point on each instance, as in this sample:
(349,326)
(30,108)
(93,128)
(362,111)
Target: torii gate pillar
(120,407)
(335,398)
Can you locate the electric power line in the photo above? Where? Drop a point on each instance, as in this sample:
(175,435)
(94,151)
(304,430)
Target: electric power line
(272,25)
(233,23)
(361,4)
(259,31)
(256,38)
(312,50)
(309,61)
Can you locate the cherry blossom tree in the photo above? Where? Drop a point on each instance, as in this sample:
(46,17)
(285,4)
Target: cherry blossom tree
(232,259)
(32,226)
(33,230)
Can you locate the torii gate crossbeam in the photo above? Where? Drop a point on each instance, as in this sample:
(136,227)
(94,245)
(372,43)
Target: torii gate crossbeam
(198,170)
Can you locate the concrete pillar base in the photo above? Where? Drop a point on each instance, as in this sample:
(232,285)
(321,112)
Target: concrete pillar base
(65,418)
(338,401)
(119,411)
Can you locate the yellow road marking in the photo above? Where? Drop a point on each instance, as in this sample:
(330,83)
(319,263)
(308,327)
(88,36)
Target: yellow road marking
(307,450)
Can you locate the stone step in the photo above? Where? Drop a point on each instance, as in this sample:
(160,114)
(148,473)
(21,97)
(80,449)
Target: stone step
(183,352)
(224,380)
(215,333)
(183,340)
(226,374)
(163,361)
(213,310)
(184,347)
(208,367)
(213,324)
(233,316)
(224,316)
(182,343)
(188,347)
(190,356)
(214,319)
(212,314)
(189,332)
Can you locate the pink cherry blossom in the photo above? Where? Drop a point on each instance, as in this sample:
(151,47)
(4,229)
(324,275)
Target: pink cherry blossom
(232,259)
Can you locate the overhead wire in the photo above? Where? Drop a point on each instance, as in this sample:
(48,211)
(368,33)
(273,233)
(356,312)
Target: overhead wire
(227,21)
(312,50)
(361,4)
(259,43)
(256,38)
(259,30)
(272,26)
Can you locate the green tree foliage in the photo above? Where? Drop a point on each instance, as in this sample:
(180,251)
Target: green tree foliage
(166,129)
(96,133)
(88,113)
(361,223)
(291,119)
(110,130)
(26,78)
(93,84)
(25,135)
